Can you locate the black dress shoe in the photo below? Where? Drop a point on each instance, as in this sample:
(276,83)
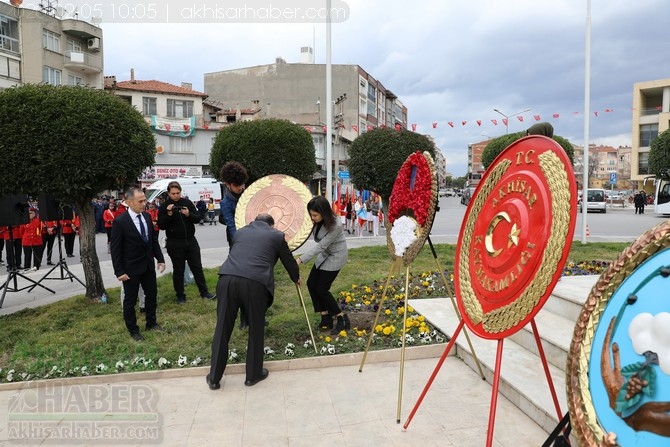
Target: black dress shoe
(212,385)
(137,336)
(209,296)
(264,375)
(142,310)
(181,299)
(156,327)
(50,263)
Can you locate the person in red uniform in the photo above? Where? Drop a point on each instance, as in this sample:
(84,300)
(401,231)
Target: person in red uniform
(3,230)
(13,247)
(32,241)
(108,217)
(69,231)
(49,236)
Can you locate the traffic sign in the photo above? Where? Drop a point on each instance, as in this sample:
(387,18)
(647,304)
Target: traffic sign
(612,178)
(343,174)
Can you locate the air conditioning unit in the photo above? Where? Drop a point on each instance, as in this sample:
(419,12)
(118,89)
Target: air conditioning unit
(94,44)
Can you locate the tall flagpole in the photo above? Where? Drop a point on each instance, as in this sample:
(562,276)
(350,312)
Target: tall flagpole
(587,117)
(329,108)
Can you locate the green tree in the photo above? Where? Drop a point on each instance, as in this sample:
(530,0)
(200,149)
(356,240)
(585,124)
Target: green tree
(264,147)
(497,145)
(376,157)
(659,156)
(72,143)
(459,182)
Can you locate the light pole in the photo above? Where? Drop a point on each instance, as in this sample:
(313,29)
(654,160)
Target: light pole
(507,117)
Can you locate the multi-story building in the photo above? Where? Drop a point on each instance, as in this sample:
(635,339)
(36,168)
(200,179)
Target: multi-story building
(297,91)
(475,166)
(603,162)
(40,47)
(183,124)
(651,116)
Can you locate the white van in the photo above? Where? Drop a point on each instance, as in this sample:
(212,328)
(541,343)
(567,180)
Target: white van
(191,187)
(596,200)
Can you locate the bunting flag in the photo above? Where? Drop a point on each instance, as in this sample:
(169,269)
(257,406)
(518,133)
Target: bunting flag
(369,127)
(556,115)
(537,117)
(355,128)
(451,124)
(434,124)
(520,118)
(463,123)
(414,127)
(504,121)
(495,122)
(595,113)
(479,122)
(609,110)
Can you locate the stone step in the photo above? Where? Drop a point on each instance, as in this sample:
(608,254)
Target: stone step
(522,377)
(569,296)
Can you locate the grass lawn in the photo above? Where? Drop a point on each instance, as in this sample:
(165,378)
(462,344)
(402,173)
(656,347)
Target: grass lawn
(76,337)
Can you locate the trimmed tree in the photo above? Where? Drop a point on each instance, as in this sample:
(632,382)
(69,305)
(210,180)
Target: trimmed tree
(376,157)
(497,145)
(72,143)
(265,147)
(659,156)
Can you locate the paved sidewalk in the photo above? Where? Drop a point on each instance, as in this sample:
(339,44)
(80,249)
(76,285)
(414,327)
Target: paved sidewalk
(304,402)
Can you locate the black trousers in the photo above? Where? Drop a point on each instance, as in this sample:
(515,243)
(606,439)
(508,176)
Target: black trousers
(2,246)
(233,293)
(49,245)
(182,252)
(131,288)
(69,243)
(318,284)
(13,251)
(34,253)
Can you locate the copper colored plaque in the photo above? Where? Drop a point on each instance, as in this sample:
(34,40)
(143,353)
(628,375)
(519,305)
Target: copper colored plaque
(285,199)
(515,237)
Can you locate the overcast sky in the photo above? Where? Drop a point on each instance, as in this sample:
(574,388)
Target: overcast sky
(447,60)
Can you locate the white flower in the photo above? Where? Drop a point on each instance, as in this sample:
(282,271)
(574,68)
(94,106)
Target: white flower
(403,234)
(425,340)
(10,375)
(409,339)
(232,355)
(84,370)
(324,350)
(290,345)
(163,362)
(100,368)
(307,344)
(119,365)
(182,361)
(268,350)
(439,338)
(289,352)
(197,361)
(331,349)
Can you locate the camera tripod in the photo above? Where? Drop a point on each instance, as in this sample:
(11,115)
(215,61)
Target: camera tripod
(65,272)
(12,277)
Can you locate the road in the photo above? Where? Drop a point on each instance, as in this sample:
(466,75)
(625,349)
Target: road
(617,225)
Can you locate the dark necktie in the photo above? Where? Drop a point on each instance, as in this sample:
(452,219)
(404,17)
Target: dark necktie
(143,233)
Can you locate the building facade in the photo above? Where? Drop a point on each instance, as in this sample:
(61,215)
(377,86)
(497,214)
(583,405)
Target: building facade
(39,47)
(297,91)
(651,116)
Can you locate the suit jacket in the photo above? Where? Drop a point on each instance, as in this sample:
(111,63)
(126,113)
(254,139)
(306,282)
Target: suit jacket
(255,252)
(331,249)
(130,254)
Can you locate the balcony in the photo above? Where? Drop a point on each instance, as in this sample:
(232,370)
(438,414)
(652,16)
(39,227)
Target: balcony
(9,44)
(80,29)
(85,63)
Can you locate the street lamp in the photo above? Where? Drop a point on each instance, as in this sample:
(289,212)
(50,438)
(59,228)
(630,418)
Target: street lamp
(507,117)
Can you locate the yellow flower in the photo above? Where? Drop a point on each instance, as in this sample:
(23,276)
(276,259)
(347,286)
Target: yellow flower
(342,333)
(387,330)
(327,339)
(424,274)
(387,311)
(367,302)
(379,328)
(425,283)
(410,309)
(422,318)
(348,299)
(400,311)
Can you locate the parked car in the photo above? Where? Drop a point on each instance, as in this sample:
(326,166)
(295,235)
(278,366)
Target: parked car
(595,200)
(447,192)
(467,195)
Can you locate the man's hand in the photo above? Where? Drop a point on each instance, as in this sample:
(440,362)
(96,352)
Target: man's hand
(299,282)
(161,267)
(123,277)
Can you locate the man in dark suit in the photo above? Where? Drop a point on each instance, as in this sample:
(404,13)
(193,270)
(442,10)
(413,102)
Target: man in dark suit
(246,280)
(134,246)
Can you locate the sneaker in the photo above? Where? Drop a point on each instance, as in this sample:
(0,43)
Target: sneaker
(209,296)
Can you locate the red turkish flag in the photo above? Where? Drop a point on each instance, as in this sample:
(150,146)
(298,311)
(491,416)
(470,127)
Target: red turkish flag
(495,122)
(434,124)
(463,123)
(355,128)
(504,121)
(520,118)
(205,126)
(397,126)
(369,127)
(413,127)
(308,128)
(595,113)
(479,122)
(325,128)
(537,117)
(167,127)
(451,124)
(555,115)
(575,113)
(609,110)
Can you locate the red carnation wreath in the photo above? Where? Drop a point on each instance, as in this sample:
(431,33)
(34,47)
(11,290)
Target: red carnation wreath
(412,206)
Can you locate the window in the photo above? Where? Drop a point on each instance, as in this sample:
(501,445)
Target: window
(179,145)
(51,76)
(75,80)
(148,106)
(51,40)
(73,45)
(9,34)
(648,133)
(643,163)
(10,68)
(319,149)
(179,108)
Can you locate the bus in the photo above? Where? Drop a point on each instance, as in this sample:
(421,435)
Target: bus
(662,197)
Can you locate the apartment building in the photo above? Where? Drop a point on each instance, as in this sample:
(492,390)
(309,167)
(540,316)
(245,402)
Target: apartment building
(39,46)
(297,91)
(651,116)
